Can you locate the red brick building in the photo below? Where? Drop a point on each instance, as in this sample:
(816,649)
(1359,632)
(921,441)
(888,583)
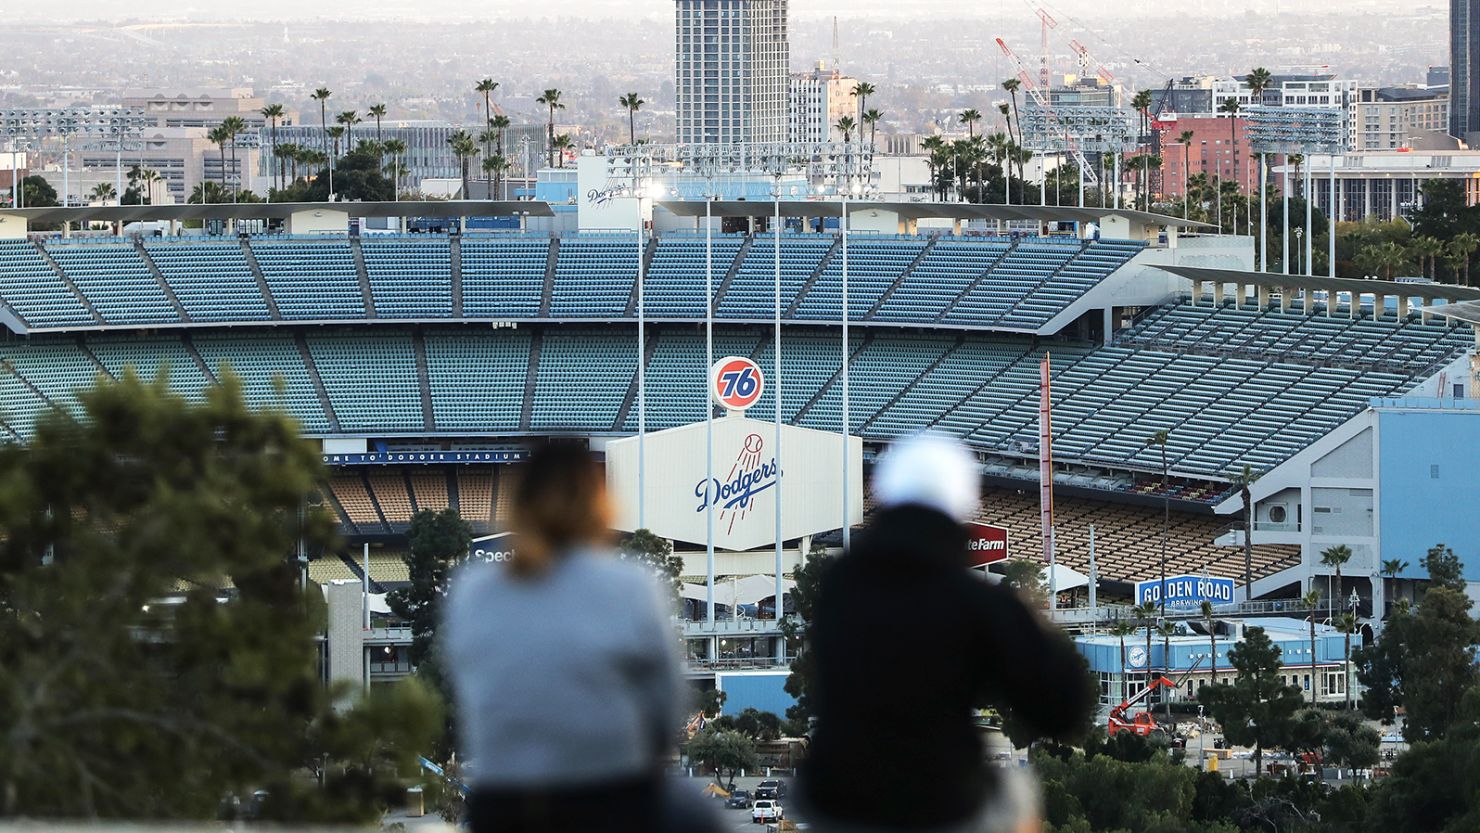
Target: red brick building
(1211,151)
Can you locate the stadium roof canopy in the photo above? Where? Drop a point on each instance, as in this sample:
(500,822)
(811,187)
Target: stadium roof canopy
(924,211)
(279,210)
(1466,311)
(1361,286)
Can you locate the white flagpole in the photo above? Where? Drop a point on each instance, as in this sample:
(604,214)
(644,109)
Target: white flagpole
(709,409)
(641,376)
(776,381)
(846,427)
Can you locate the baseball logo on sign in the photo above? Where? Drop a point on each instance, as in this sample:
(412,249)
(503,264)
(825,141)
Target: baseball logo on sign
(736,383)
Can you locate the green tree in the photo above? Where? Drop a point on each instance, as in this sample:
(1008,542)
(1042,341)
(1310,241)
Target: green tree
(36,192)
(1334,557)
(845,126)
(1244,479)
(1348,624)
(486,87)
(861,91)
(1435,786)
(1312,600)
(133,686)
(1391,569)
(757,725)
(807,578)
(969,118)
(1256,709)
(655,553)
(1463,245)
(1349,742)
(437,542)
(321,95)
(726,751)
(871,118)
(1444,568)
(357,176)
(1026,577)
(274,112)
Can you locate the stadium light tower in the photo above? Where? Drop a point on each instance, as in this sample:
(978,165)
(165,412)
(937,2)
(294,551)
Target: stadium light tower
(708,404)
(776,382)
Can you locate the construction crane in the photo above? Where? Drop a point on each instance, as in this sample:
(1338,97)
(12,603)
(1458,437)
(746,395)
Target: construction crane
(1045,78)
(1143,724)
(1086,60)
(1086,173)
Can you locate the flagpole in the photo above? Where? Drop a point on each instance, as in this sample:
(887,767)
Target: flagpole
(846,316)
(709,408)
(776,381)
(641,375)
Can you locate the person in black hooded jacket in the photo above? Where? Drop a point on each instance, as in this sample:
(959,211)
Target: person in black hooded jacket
(906,641)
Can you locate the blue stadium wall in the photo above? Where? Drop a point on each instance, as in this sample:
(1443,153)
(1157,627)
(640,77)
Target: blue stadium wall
(763,690)
(1429,473)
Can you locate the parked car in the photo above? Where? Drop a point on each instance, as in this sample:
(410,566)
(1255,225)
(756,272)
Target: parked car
(771,788)
(739,800)
(766,811)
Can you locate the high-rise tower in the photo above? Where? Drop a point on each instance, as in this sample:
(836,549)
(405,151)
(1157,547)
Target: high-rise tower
(731,70)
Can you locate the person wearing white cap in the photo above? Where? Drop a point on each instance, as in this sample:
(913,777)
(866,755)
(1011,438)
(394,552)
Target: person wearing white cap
(906,642)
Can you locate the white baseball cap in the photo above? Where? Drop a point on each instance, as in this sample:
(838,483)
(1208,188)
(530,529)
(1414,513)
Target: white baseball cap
(929,470)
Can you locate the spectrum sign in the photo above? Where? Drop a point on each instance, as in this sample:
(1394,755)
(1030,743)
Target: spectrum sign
(986,543)
(1187,591)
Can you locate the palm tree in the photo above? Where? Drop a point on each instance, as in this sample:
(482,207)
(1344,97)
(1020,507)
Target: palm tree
(1348,624)
(1141,102)
(1463,245)
(1391,567)
(1185,138)
(935,151)
(1011,86)
(396,148)
(969,118)
(234,126)
(633,102)
(1258,80)
(149,176)
(1230,107)
(1385,257)
(1165,629)
(1335,557)
(321,95)
(487,138)
(335,134)
(871,118)
(292,153)
(272,113)
(551,99)
(1146,613)
(1427,250)
(1243,479)
(1209,619)
(220,136)
(486,87)
(349,118)
(103,192)
(464,148)
(500,124)
(845,126)
(563,143)
(1312,600)
(862,90)
(1160,439)
(496,166)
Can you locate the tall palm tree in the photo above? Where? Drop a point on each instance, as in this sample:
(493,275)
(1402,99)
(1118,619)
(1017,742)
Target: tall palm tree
(1334,557)
(486,86)
(1230,107)
(234,126)
(1243,479)
(633,102)
(272,113)
(1312,600)
(1387,256)
(1146,613)
(500,124)
(969,118)
(149,177)
(871,118)
(563,143)
(1209,618)
(336,133)
(845,126)
(1159,439)
(1427,249)
(220,137)
(464,148)
(321,95)
(861,91)
(935,151)
(1258,80)
(488,138)
(103,192)
(377,112)
(1391,568)
(1011,87)
(349,118)
(1463,245)
(1141,102)
(1185,138)
(1348,624)
(397,149)
(497,166)
(551,99)
(1166,629)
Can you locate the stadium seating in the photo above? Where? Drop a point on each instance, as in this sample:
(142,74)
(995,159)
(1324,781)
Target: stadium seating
(971,281)
(211,278)
(477,383)
(370,378)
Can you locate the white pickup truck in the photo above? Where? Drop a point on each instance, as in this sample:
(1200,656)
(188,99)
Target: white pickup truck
(766,811)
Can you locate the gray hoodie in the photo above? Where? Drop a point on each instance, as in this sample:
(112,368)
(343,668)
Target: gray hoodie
(567,678)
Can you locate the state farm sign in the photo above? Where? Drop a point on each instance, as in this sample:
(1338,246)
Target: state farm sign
(986,543)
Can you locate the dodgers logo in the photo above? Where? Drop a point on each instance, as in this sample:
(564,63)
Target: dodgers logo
(734,494)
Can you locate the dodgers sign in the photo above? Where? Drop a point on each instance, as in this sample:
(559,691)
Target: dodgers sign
(1187,591)
(736,382)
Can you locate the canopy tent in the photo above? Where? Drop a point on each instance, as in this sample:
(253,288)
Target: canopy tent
(743,591)
(1065,578)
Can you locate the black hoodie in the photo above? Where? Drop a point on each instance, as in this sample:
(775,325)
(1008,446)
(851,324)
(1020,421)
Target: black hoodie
(907,641)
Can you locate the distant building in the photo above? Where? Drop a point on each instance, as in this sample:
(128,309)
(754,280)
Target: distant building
(1386,118)
(1437,77)
(1218,145)
(817,100)
(428,149)
(1304,91)
(1464,68)
(1189,94)
(203,108)
(183,157)
(731,70)
(1387,184)
(1084,92)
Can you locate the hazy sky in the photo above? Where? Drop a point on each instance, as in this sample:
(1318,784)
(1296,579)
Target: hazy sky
(148,10)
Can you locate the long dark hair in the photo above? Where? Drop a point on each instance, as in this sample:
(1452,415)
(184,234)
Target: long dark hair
(559,504)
